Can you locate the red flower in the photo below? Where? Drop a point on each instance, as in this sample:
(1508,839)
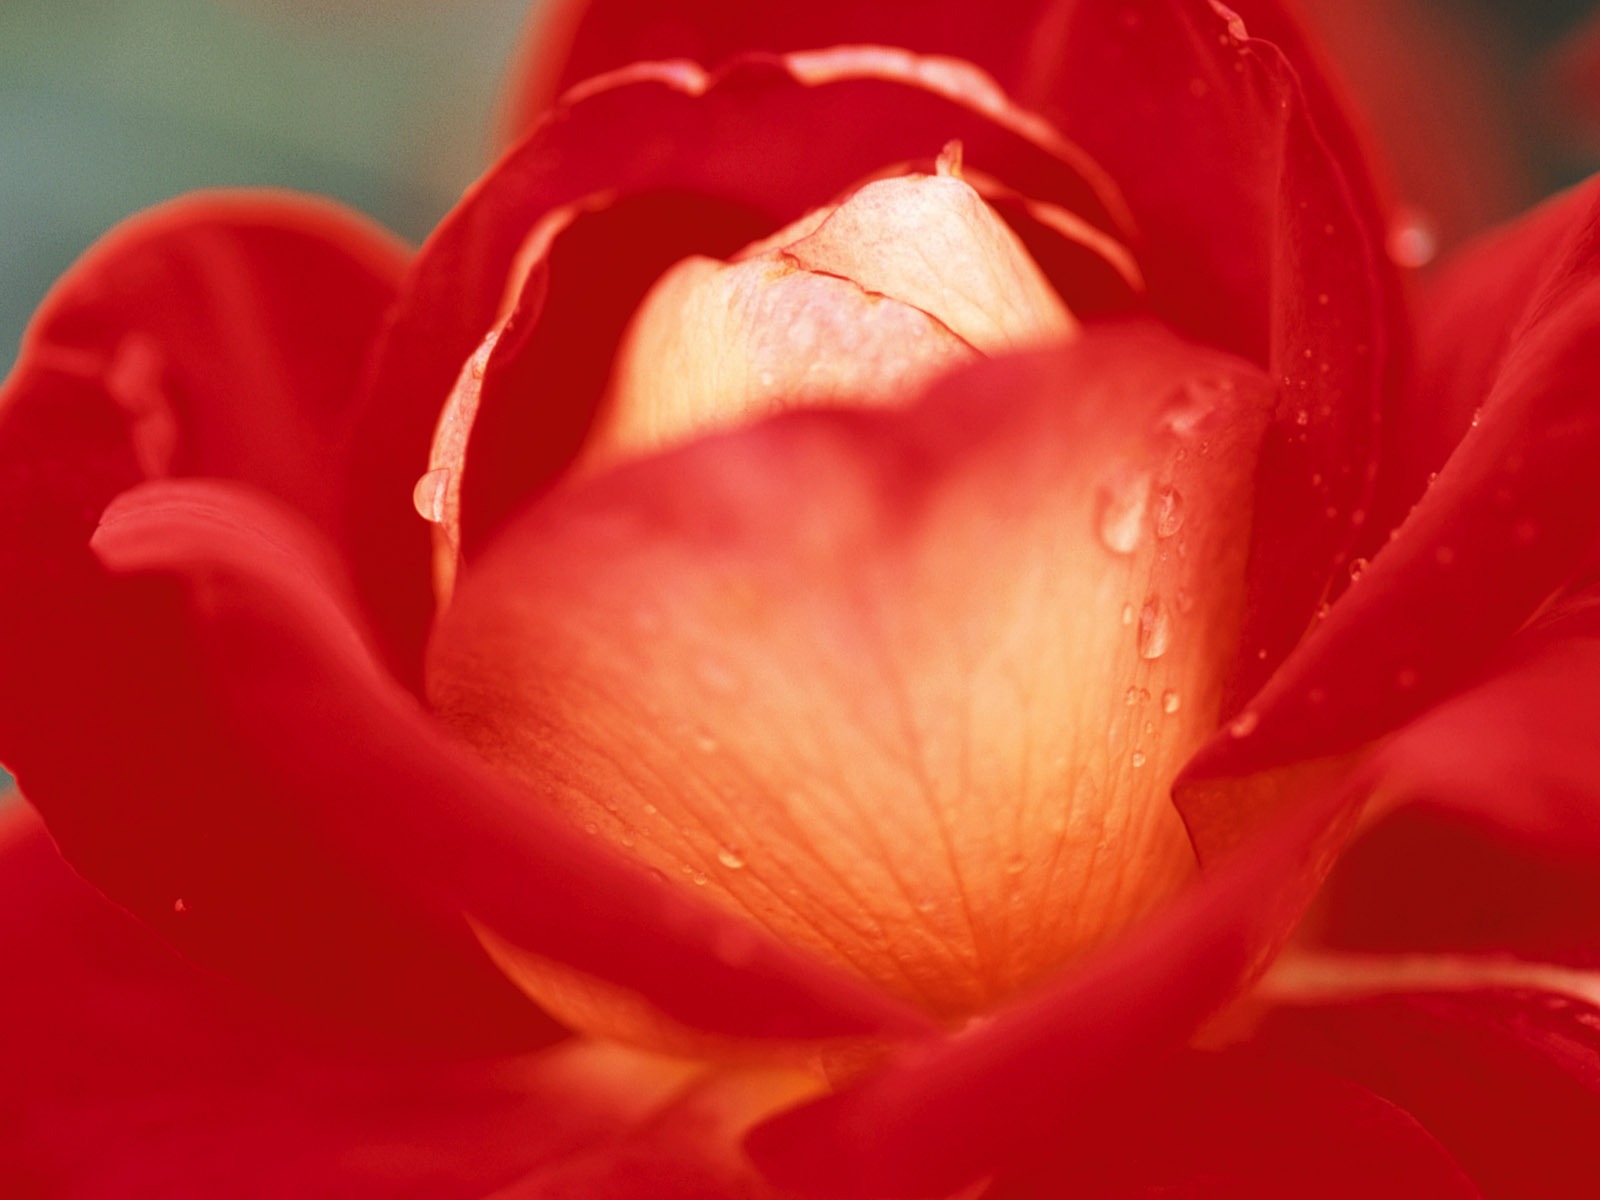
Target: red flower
(216,599)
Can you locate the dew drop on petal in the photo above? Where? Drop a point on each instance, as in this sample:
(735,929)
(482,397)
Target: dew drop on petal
(1358,568)
(1244,724)
(1155,629)
(1169,512)
(729,857)
(1121,513)
(1137,759)
(429,495)
(1412,241)
(1170,701)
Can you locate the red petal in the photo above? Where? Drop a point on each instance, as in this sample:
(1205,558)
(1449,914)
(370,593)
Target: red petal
(338,782)
(1503,854)
(130,1073)
(691,163)
(1508,1081)
(1469,311)
(224,333)
(1242,1126)
(943,1115)
(1510,520)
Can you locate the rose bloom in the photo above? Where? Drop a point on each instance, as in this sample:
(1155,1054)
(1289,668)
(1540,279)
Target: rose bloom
(901,602)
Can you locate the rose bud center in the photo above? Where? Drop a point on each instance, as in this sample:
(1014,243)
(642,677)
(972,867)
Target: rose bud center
(920,721)
(862,303)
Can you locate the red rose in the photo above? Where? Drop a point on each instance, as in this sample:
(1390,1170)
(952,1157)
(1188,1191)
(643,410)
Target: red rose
(925,707)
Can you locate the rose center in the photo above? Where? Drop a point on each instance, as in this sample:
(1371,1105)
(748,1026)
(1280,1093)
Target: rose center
(911,693)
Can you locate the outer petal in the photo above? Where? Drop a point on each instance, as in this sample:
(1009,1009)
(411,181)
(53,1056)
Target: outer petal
(1242,1126)
(216,335)
(272,698)
(1509,521)
(1508,1081)
(1468,313)
(129,1072)
(225,332)
(1259,228)
(1497,846)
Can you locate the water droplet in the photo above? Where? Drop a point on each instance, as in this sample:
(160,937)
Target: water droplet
(180,906)
(1322,297)
(705,742)
(591,827)
(1121,517)
(428,496)
(1412,240)
(1184,601)
(1170,701)
(1358,568)
(1137,759)
(1016,865)
(1155,629)
(698,879)
(729,857)
(1244,724)
(1407,678)
(649,810)
(1169,512)
(1135,695)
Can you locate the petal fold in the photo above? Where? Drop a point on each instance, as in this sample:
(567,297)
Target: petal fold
(956,1111)
(130,1072)
(1507,525)
(269,672)
(1507,1080)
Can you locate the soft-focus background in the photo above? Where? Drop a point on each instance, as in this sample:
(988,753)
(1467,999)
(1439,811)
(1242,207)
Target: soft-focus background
(108,106)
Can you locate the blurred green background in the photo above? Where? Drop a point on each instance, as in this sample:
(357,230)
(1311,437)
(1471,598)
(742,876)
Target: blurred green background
(108,106)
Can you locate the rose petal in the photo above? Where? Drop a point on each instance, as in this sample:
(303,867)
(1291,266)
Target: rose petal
(227,331)
(752,139)
(1508,1081)
(270,696)
(1468,312)
(956,1111)
(1509,521)
(1497,843)
(129,1072)
(1237,1125)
